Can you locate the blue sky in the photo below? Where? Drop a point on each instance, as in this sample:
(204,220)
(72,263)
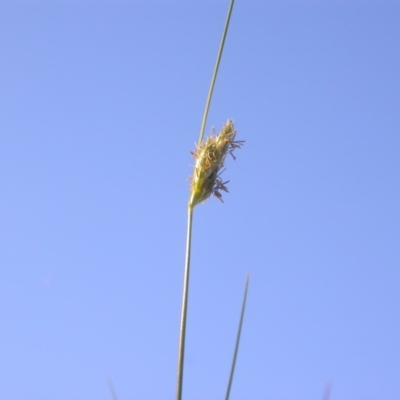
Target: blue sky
(100,106)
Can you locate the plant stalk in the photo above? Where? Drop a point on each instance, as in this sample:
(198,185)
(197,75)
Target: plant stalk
(182,332)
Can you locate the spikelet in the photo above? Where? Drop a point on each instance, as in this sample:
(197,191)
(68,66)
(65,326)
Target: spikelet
(210,156)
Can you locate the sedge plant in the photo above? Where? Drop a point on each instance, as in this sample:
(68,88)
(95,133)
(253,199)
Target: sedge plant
(206,181)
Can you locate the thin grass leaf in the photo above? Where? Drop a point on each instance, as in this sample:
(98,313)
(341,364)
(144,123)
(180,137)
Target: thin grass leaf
(112,391)
(215,73)
(235,353)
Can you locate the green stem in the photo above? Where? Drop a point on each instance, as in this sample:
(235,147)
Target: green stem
(185,296)
(182,332)
(228,390)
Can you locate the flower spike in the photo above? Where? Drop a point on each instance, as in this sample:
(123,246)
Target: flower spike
(210,156)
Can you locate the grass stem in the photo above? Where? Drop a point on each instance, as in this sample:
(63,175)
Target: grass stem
(182,332)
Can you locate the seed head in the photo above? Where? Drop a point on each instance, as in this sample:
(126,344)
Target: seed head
(210,156)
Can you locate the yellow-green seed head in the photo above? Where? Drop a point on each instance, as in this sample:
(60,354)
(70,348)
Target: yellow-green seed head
(210,156)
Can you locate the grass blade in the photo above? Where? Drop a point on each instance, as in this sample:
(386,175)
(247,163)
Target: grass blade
(112,391)
(215,73)
(228,390)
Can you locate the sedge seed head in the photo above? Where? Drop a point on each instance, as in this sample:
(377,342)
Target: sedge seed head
(210,156)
